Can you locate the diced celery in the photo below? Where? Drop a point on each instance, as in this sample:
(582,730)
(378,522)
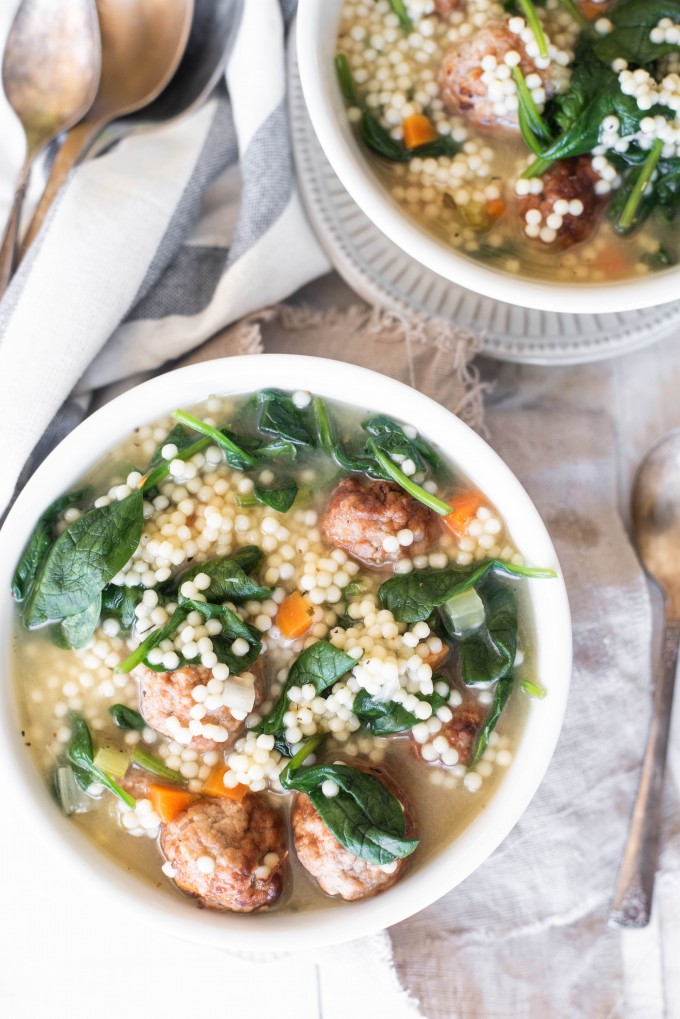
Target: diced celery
(72,799)
(113,762)
(238,696)
(464,612)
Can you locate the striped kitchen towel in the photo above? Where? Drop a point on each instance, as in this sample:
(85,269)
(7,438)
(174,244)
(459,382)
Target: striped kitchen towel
(154,246)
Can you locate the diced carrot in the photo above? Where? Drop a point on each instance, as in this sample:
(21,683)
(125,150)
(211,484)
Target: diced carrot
(436,658)
(613,263)
(295,616)
(590,8)
(169,801)
(495,207)
(214,786)
(418,130)
(465,508)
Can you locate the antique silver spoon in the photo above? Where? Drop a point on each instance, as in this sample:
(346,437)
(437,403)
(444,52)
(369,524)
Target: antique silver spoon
(50,73)
(142,45)
(655,518)
(199,70)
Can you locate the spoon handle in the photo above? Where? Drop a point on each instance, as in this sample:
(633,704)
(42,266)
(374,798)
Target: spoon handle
(74,149)
(632,902)
(8,247)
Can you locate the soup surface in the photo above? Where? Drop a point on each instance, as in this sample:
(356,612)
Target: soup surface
(543,139)
(272,648)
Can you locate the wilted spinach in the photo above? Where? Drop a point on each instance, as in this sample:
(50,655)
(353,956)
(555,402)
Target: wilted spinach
(364,816)
(386,717)
(40,541)
(126,718)
(83,560)
(322,665)
(229,581)
(80,753)
(411,597)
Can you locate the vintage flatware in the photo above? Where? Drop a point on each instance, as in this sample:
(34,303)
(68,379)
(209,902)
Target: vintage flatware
(142,45)
(199,70)
(655,514)
(50,72)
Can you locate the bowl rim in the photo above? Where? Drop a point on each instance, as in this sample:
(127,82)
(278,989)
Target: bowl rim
(108,880)
(324,103)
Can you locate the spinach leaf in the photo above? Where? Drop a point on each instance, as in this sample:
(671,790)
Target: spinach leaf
(75,631)
(228,581)
(143,759)
(386,717)
(393,440)
(179,437)
(364,816)
(248,557)
(399,8)
(322,665)
(281,418)
(232,628)
(80,753)
(489,653)
(501,695)
(126,718)
(40,541)
(414,596)
(662,258)
(236,456)
(83,560)
(633,23)
(280,499)
(120,602)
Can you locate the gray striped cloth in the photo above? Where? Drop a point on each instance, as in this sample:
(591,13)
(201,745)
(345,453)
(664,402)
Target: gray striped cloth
(155,246)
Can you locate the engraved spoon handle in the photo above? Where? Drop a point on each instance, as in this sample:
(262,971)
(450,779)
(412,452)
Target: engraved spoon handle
(632,902)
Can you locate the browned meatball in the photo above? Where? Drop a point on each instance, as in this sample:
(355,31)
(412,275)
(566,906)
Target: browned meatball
(567,180)
(336,870)
(136,781)
(360,515)
(460,77)
(461,730)
(165,695)
(216,848)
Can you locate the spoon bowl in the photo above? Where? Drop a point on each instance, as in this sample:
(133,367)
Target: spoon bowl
(50,72)
(199,70)
(655,523)
(655,515)
(142,44)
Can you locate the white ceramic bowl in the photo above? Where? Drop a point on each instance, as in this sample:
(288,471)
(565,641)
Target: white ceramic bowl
(85,871)
(317,26)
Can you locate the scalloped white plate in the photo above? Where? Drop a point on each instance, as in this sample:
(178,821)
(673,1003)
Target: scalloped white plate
(383,274)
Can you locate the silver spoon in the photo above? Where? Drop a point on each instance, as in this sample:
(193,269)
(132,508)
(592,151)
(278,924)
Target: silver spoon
(142,45)
(656,532)
(50,73)
(199,70)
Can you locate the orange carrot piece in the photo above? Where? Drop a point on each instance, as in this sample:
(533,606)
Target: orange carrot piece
(495,207)
(214,786)
(436,658)
(295,616)
(591,9)
(418,130)
(169,801)
(465,508)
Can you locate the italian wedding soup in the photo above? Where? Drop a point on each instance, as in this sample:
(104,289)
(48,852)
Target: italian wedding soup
(542,138)
(271,649)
